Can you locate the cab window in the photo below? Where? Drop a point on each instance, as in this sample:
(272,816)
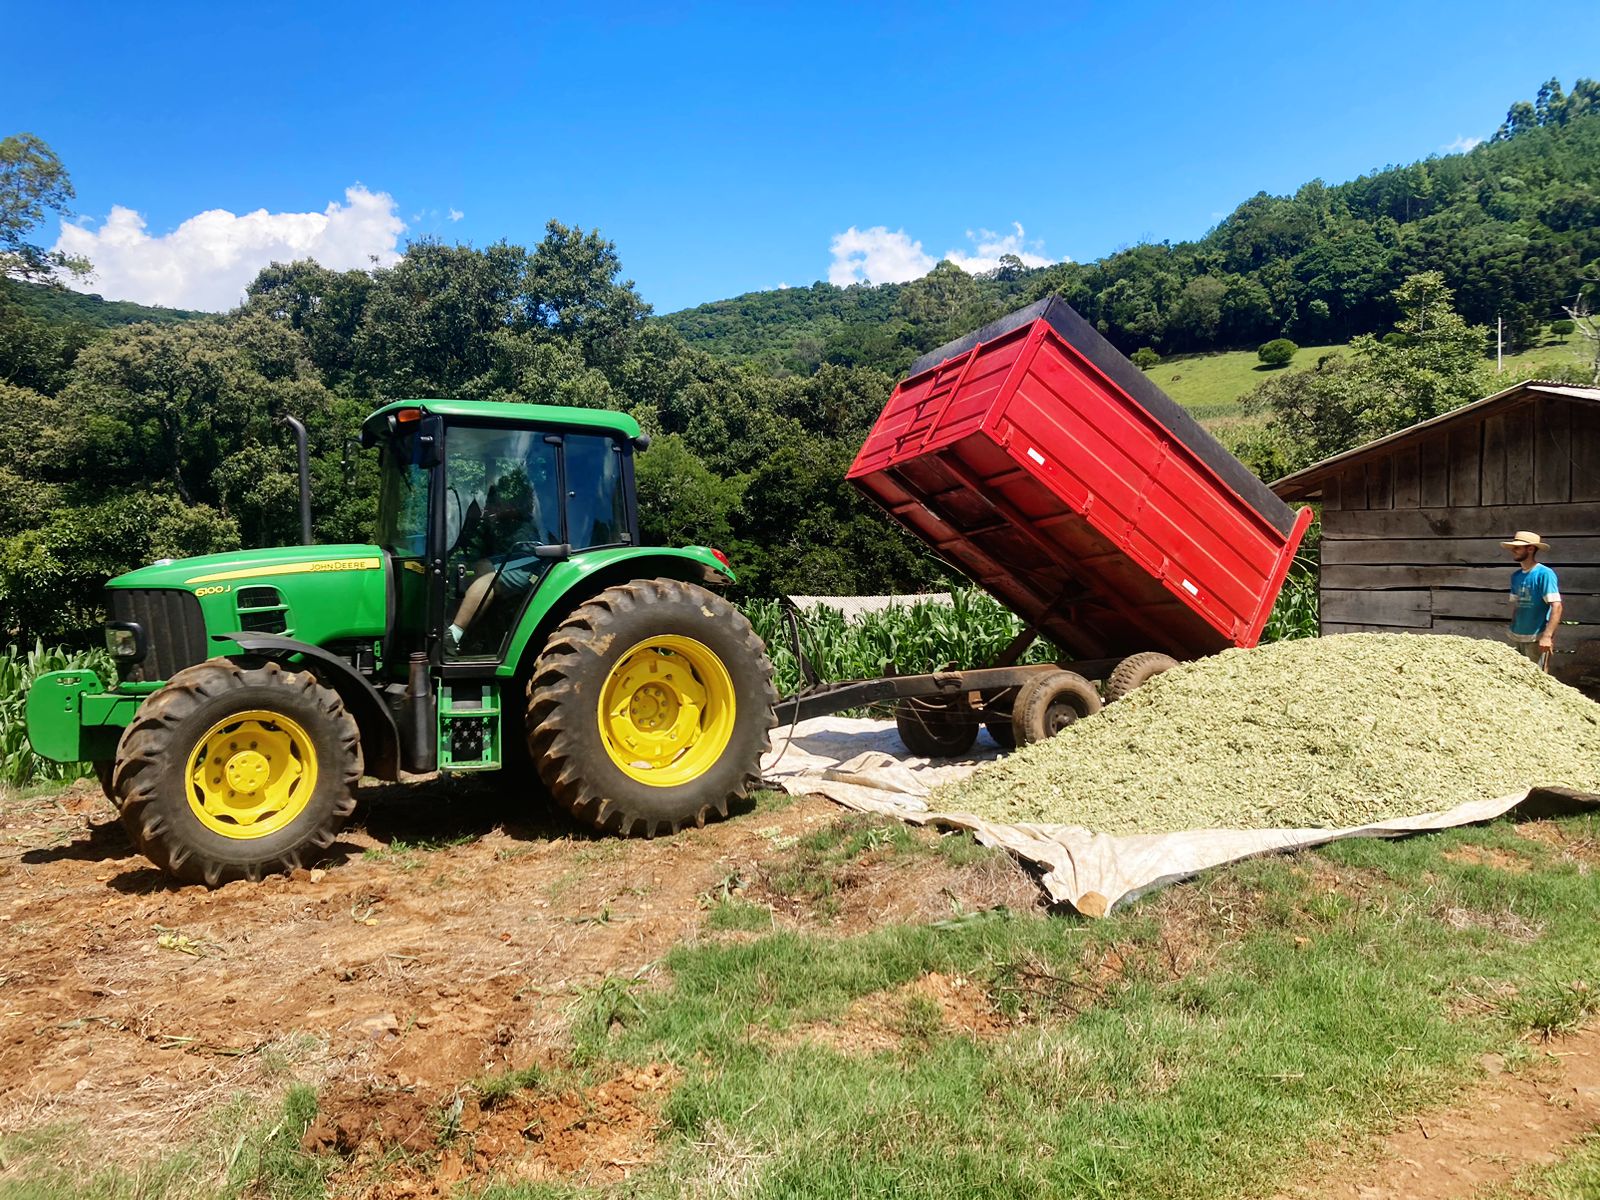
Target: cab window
(597,512)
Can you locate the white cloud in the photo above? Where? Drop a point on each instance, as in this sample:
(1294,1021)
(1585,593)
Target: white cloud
(885,256)
(455,214)
(206,262)
(990,245)
(878,255)
(1461,145)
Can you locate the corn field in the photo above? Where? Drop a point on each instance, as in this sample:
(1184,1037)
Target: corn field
(1295,614)
(19,765)
(970,631)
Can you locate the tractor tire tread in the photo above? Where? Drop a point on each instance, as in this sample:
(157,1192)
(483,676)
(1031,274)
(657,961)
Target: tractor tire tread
(557,708)
(144,756)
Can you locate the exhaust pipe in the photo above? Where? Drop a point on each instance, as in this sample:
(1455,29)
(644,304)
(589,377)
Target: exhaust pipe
(304,454)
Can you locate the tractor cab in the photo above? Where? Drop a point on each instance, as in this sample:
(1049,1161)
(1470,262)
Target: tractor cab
(477,505)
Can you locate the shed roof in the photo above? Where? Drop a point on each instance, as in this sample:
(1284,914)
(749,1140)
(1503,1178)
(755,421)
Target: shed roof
(1307,483)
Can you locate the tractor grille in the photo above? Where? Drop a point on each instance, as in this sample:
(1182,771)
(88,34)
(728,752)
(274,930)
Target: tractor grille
(174,630)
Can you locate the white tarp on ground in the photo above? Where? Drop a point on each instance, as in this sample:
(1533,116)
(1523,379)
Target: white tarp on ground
(862,765)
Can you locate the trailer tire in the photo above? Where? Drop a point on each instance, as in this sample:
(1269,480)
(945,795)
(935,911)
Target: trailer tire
(936,728)
(1134,670)
(1049,702)
(650,707)
(263,809)
(1003,734)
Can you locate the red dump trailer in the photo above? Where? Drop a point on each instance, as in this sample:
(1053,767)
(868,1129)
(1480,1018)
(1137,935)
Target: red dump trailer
(1036,459)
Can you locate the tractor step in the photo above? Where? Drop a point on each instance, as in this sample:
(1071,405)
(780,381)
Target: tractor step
(469,727)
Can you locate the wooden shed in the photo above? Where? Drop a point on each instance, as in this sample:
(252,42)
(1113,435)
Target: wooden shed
(1412,523)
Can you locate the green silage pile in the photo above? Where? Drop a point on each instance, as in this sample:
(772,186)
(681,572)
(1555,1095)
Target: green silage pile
(1315,733)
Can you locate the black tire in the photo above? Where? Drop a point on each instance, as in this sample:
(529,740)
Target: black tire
(565,739)
(1135,670)
(102,772)
(936,728)
(151,784)
(1003,734)
(1049,702)
(999,705)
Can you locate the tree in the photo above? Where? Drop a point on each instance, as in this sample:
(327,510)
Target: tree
(32,183)
(1144,358)
(1435,364)
(1277,353)
(1563,329)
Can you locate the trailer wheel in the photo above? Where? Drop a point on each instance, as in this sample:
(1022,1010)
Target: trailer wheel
(999,705)
(936,728)
(232,772)
(1135,670)
(650,707)
(1049,702)
(1003,734)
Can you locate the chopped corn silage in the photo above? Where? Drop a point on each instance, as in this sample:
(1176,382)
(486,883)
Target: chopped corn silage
(1317,733)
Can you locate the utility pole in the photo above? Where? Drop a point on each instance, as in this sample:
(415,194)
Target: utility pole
(1499,344)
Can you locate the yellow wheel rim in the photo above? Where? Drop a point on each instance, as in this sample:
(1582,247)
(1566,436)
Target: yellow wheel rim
(251,774)
(666,711)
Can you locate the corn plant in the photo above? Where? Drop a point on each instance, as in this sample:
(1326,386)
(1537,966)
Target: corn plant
(18,763)
(1295,613)
(970,631)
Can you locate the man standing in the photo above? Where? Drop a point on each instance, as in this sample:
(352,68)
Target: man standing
(1535,599)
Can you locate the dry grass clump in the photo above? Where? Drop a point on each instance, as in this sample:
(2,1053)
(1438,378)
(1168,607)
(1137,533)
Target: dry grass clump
(1316,733)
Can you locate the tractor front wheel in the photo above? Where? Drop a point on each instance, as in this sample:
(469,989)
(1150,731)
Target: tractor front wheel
(232,772)
(650,708)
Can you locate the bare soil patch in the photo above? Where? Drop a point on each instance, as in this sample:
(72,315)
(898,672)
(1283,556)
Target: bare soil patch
(408,1142)
(935,1004)
(1488,856)
(387,976)
(1514,1120)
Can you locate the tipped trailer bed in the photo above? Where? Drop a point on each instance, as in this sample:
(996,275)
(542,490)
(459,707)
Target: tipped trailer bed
(1041,463)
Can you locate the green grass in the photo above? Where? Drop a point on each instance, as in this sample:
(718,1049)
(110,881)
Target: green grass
(250,1158)
(1575,1177)
(1253,1014)
(1546,359)
(1210,385)
(494,1089)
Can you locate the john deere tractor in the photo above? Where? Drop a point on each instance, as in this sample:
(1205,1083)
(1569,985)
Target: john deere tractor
(504,618)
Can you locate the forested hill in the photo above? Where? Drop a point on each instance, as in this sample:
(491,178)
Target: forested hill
(1512,225)
(59,306)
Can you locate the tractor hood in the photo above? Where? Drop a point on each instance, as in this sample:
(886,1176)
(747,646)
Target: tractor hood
(251,565)
(315,594)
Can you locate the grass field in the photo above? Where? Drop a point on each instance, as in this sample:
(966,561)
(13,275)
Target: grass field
(1211,386)
(1213,1040)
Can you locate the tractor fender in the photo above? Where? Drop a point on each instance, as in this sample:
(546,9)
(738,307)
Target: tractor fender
(586,575)
(380,737)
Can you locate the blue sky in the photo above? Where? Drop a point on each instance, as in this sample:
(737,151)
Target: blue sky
(725,148)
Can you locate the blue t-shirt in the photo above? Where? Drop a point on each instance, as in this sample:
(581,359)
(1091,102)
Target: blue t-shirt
(1533,591)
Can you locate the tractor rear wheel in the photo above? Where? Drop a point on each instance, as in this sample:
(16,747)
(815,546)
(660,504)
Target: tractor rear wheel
(232,771)
(1134,670)
(1049,702)
(650,708)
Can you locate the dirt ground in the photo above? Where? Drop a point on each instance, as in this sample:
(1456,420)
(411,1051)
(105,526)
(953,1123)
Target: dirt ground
(393,975)
(1514,1120)
(390,976)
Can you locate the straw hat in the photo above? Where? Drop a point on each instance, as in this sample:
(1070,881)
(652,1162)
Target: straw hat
(1524,538)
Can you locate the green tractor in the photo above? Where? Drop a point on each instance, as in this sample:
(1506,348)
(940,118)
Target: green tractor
(506,618)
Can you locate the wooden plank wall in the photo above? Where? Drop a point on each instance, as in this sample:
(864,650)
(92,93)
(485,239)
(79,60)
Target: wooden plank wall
(1411,538)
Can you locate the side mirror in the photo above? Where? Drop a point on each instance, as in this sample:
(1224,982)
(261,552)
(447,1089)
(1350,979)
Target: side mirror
(554,552)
